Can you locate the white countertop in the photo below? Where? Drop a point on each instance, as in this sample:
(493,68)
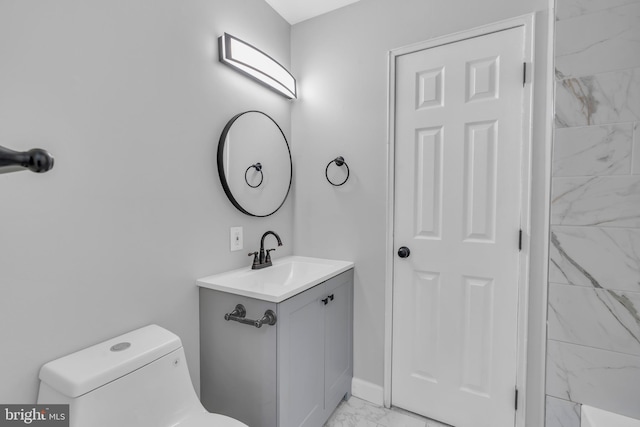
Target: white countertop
(287,277)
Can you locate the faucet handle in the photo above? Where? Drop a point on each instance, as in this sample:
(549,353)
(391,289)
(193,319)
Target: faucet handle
(255,258)
(268,257)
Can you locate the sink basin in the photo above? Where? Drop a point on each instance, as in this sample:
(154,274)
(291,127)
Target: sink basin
(287,277)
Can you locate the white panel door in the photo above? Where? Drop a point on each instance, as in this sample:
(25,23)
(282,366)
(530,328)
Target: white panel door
(457,208)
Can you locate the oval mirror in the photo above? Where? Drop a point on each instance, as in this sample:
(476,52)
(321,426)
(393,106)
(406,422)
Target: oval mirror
(254,163)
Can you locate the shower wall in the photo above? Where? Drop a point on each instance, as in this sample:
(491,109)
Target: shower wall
(593,352)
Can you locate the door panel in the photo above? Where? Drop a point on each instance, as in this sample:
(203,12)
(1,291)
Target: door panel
(457,207)
(428,215)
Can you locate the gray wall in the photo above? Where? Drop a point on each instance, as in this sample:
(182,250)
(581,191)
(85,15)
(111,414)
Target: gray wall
(340,60)
(594,276)
(130,99)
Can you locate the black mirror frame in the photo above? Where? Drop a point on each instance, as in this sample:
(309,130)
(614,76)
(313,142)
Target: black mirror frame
(220,159)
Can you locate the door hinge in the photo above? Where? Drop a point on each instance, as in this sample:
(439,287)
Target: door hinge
(520,240)
(516,399)
(526,71)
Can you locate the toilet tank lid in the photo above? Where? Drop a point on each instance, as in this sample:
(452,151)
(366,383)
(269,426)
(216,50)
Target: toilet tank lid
(88,369)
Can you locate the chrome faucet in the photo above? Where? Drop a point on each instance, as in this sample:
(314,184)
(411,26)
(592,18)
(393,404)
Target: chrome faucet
(262,259)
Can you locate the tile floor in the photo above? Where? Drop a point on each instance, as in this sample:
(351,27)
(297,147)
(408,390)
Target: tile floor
(360,413)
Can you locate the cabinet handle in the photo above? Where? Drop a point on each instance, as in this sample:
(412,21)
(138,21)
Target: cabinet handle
(327,299)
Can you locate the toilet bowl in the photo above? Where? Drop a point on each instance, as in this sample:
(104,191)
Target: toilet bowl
(139,379)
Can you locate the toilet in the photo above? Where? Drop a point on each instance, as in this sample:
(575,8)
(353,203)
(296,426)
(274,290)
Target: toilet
(139,379)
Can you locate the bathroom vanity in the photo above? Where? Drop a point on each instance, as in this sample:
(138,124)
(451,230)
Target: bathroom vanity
(289,374)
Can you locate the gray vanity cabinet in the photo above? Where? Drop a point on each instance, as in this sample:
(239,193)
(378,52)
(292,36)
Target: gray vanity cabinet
(293,374)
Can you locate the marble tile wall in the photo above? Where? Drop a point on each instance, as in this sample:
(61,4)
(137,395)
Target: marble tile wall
(593,150)
(562,413)
(595,377)
(613,38)
(610,97)
(566,9)
(593,351)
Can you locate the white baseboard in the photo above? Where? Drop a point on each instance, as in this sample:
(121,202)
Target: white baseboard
(367,391)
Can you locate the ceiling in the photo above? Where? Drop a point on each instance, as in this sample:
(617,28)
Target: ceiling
(295,11)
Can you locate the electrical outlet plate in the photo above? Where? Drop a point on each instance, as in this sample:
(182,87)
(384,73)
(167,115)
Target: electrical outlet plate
(235,239)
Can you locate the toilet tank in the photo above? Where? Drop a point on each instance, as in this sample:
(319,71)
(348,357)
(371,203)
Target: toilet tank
(138,379)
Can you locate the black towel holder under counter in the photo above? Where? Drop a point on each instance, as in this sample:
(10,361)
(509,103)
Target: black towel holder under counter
(36,160)
(339,161)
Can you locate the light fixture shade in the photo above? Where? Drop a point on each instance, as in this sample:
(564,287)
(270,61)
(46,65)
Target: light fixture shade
(256,64)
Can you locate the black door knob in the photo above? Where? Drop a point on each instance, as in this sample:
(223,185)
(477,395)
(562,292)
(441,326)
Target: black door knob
(404,252)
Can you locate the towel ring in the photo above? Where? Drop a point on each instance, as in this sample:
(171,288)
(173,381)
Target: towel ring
(339,161)
(258,168)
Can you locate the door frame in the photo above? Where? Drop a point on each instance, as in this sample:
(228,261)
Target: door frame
(528,24)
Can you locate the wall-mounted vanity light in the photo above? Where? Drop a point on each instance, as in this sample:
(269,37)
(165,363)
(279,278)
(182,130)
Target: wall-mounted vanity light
(256,64)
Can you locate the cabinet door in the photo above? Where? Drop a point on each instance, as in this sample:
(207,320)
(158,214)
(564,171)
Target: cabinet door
(301,359)
(237,362)
(338,339)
